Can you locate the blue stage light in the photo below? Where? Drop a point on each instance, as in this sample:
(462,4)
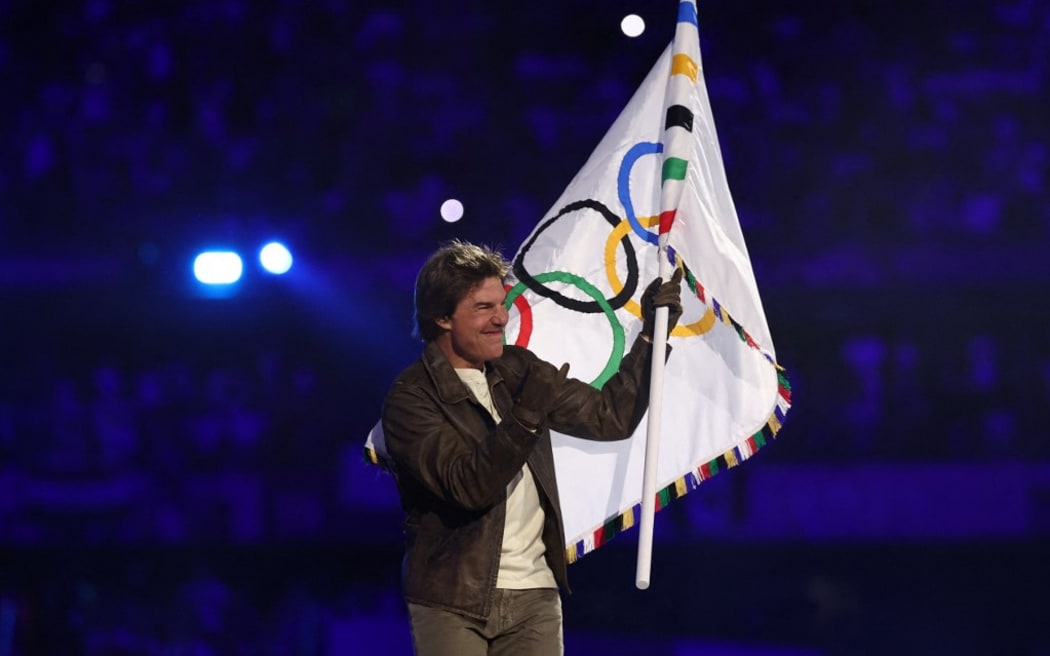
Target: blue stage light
(218,267)
(275,258)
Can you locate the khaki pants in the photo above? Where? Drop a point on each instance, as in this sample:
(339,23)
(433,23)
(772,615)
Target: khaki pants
(521,623)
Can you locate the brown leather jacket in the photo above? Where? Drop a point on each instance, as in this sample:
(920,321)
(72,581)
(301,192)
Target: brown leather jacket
(452,464)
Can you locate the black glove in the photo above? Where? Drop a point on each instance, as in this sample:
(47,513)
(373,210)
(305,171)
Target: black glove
(658,294)
(536,391)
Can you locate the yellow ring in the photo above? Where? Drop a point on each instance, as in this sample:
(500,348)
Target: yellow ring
(699,327)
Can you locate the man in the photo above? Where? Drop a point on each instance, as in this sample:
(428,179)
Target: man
(467,430)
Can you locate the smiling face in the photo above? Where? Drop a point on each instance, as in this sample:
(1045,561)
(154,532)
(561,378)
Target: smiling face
(474,332)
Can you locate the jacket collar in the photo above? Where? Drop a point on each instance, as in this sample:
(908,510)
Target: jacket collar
(449,387)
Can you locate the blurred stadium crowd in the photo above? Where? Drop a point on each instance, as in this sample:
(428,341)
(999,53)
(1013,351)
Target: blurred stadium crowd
(889,164)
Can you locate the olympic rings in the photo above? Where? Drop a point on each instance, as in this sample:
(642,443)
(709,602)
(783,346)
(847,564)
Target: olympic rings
(624,291)
(613,364)
(589,307)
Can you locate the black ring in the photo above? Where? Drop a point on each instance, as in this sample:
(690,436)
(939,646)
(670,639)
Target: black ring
(590,307)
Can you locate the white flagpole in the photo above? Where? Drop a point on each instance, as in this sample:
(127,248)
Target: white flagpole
(652,433)
(677,145)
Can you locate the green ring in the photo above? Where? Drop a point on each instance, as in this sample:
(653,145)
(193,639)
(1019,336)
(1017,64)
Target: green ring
(616,356)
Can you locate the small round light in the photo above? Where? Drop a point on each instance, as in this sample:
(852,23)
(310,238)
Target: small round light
(451,210)
(218,267)
(275,258)
(632,25)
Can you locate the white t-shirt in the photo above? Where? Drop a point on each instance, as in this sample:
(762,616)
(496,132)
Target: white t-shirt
(521,561)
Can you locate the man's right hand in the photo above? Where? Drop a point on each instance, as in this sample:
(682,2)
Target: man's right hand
(662,294)
(537,389)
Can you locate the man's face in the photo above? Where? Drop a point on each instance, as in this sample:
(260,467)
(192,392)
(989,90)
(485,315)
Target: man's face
(475,329)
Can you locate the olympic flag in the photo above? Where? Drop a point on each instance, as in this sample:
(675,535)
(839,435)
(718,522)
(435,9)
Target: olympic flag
(577,282)
(580,275)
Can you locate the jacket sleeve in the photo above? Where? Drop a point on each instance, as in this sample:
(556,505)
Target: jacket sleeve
(426,445)
(614,411)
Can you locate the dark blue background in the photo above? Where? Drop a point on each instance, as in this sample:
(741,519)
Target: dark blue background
(182,474)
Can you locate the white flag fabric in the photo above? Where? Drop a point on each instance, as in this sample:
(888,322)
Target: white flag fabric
(577,283)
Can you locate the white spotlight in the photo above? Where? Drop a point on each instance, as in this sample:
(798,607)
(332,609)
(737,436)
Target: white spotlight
(275,258)
(452,210)
(218,267)
(632,25)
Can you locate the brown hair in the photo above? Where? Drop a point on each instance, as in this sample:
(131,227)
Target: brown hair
(447,277)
